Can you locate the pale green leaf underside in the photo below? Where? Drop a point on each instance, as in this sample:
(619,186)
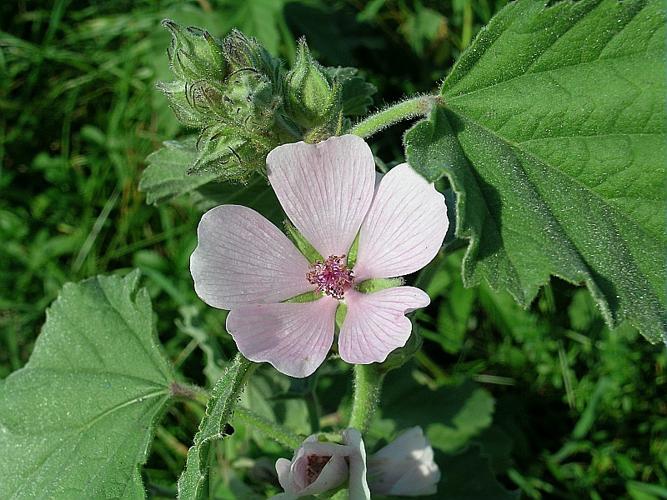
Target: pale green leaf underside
(166,175)
(77,420)
(552,132)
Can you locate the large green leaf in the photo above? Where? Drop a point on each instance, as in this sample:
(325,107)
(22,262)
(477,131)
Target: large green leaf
(77,420)
(552,132)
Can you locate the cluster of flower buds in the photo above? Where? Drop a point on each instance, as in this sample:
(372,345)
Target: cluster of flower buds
(230,91)
(244,103)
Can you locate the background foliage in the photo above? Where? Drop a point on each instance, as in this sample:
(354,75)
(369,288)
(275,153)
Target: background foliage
(546,400)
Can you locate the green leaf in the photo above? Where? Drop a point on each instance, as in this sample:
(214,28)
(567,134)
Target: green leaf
(77,420)
(357,93)
(422,27)
(468,476)
(262,19)
(552,132)
(193,483)
(461,413)
(166,175)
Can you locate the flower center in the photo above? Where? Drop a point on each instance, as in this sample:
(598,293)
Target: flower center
(314,467)
(331,276)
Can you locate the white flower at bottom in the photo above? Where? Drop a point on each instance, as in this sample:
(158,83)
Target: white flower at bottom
(404,467)
(318,467)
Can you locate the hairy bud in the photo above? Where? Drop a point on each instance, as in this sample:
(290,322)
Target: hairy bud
(194,54)
(311,97)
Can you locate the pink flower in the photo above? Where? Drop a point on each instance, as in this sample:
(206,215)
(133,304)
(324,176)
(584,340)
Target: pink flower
(243,263)
(318,467)
(404,467)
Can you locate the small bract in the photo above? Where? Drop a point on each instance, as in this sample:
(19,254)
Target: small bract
(246,265)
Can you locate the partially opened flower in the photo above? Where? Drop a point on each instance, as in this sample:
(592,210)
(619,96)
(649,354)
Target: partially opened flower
(404,467)
(243,263)
(318,467)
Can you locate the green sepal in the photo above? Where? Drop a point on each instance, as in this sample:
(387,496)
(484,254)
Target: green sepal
(186,113)
(305,297)
(352,253)
(302,243)
(341,312)
(377,284)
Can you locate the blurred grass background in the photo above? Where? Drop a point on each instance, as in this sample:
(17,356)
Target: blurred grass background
(579,411)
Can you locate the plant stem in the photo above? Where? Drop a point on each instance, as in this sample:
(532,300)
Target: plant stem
(367,386)
(271,429)
(190,393)
(404,110)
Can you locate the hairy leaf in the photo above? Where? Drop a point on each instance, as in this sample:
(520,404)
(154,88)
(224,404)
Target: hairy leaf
(77,420)
(357,93)
(166,175)
(552,132)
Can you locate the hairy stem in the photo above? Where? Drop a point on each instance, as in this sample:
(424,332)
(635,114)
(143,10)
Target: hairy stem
(271,429)
(367,387)
(404,110)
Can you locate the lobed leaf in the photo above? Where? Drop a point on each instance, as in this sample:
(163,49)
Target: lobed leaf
(78,419)
(552,133)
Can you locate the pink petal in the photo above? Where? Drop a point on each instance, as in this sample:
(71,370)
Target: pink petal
(404,228)
(325,189)
(294,337)
(241,258)
(375,323)
(283,469)
(334,473)
(358,484)
(405,466)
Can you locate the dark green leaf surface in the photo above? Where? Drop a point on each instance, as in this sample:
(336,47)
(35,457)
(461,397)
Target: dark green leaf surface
(193,483)
(77,420)
(462,412)
(552,132)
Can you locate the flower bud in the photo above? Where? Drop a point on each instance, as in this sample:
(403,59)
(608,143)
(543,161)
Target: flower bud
(404,467)
(244,53)
(311,98)
(194,54)
(318,467)
(224,152)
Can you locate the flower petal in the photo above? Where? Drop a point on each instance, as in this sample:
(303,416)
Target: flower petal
(325,189)
(404,228)
(404,467)
(294,337)
(358,485)
(333,474)
(241,258)
(283,469)
(375,323)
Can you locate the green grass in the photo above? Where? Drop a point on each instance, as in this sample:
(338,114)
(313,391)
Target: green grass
(580,411)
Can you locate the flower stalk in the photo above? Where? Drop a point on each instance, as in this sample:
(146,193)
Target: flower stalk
(404,110)
(270,429)
(367,388)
